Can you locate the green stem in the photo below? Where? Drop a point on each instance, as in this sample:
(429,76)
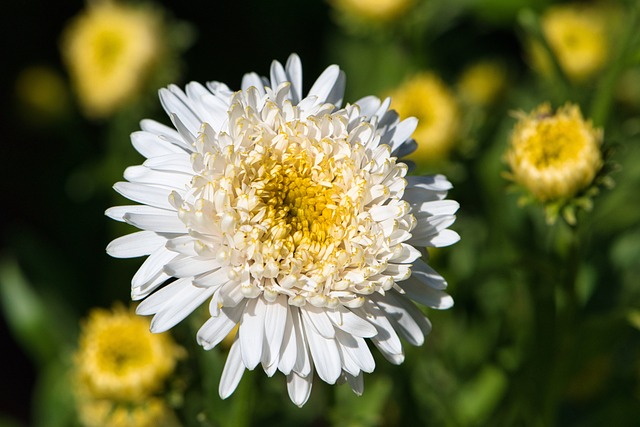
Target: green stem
(601,105)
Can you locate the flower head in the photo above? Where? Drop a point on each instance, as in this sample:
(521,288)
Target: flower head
(378,11)
(427,98)
(109,50)
(554,156)
(293,218)
(118,358)
(577,36)
(481,83)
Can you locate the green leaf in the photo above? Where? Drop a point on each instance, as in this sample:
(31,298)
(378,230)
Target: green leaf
(26,314)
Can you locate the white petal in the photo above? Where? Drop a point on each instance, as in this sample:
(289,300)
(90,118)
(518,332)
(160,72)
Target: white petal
(135,244)
(166,223)
(189,267)
(180,163)
(317,318)
(252,332)
(426,274)
(144,175)
(145,194)
(276,317)
(118,212)
(426,295)
(232,372)
(356,383)
(150,145)
(289,348)
(325,84)
(215,329)
(349,322)
(294,72)
(152,266)
(324,352)
(405,316)
(299,388)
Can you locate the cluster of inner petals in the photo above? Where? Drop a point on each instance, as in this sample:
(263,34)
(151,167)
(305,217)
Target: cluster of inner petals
(304,207)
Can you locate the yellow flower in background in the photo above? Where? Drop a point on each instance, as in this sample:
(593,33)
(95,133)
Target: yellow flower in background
(152,412)
(41,92)
(577,35)
(109,49)
(374,10)
(481,83)
(554,156)
(119,358)
(427,98)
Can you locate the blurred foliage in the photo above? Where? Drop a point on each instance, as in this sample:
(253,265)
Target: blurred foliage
(546,326)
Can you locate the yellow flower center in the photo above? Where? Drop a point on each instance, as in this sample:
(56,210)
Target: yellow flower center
(109,46)
(555,143)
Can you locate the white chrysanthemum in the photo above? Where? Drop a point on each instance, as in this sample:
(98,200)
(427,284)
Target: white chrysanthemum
(293,218)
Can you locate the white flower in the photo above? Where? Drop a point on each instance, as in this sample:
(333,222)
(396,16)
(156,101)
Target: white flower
(293,218)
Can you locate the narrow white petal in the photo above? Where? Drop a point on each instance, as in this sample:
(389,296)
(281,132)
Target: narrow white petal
(150,145)
(215,329)
(405,316)
(189,267)
(165,223)
(324,85)
(299,388)
(188,299)
(135,244)
(356,383)
(317,318)
(294,72)
(324,353)
(276,317)
(232,372)
(118,212)
(162,298)
(252,332)
(152,266)
(347,321)
(426,295)
(145,194)
(288,351)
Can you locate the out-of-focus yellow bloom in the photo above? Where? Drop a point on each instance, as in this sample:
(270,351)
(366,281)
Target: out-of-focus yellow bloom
(119,358)
(427,98)
(109,50)
(41,92)
(554,156)
(481,83)
(577,35)
(152,412)
(374,10)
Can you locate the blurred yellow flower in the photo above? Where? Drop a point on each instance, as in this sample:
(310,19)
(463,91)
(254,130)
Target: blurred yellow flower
(481,83)
(152,412)
(427,98)
(373,10)
(41,92)
(577,36)
(554,156)
(119,358)
(109,50)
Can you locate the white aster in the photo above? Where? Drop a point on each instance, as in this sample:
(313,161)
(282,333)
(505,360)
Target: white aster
(293,218)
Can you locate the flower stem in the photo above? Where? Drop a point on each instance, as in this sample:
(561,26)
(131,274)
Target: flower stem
(601,105)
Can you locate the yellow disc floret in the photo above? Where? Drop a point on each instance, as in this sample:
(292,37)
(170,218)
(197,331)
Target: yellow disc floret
(554,156)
